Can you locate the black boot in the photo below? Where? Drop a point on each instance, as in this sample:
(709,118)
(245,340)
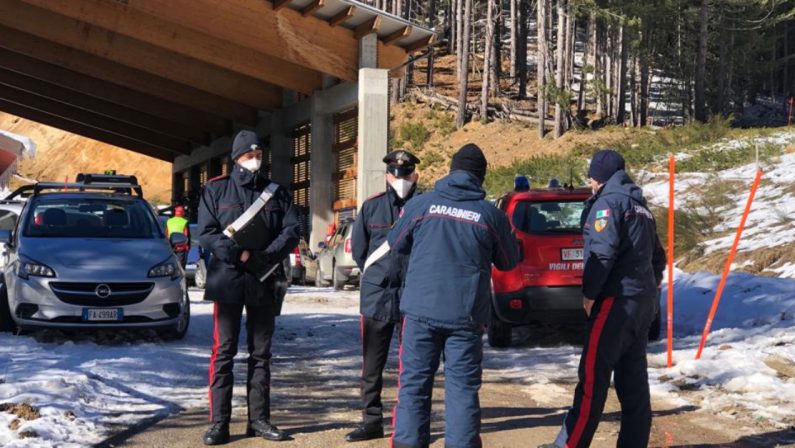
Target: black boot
(263,428)
(366,431)
(218,434)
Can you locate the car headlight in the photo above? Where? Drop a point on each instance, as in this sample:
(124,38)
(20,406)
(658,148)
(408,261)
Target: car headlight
(169,269)
(27,268)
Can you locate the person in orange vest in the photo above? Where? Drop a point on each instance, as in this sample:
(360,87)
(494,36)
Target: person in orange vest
(179,224)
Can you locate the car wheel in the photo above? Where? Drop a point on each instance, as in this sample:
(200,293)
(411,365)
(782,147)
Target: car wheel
(179,330)
(499,332)
(656,327)
(200,278)
(336,281)
(7,323)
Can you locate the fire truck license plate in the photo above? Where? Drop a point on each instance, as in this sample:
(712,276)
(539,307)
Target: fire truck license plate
(571,254)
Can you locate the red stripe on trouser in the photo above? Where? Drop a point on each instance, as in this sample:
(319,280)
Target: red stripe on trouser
(361,338)
(212,357)
(590,364)
(400,371)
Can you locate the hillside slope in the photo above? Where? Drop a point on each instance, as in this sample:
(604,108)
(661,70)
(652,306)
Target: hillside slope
(60,155)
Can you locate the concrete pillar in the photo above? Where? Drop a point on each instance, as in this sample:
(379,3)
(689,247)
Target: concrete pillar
(368,51)
(281,151)
(373,131)
(321,166)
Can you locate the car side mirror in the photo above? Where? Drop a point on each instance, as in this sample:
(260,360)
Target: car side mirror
(5,237)
(178,239)
(322,245)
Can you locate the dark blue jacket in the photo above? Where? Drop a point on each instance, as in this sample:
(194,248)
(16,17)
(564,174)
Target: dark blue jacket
(380,284)
(224,199)
(623,255)
(453,236)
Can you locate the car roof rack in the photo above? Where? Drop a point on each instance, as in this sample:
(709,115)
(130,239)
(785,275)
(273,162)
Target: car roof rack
(85,181)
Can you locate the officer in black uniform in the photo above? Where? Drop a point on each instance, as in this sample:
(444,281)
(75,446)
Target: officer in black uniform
(380,285)
(624,262)
(232,288)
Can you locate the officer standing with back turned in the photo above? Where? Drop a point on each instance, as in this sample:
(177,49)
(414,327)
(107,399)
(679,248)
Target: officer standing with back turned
(233,288)
(380,285)
(624,262)
(452,236)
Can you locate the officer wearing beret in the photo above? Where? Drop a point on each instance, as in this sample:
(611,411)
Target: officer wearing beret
(380,284)
(233,288)
(624,262)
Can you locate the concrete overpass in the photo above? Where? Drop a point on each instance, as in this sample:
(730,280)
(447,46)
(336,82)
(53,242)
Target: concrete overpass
(176,79)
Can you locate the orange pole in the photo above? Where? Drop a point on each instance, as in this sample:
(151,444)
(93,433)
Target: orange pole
(727,268)
(670,317)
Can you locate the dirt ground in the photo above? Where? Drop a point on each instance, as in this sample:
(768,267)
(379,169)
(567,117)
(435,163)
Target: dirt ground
(317,412)
(511,418)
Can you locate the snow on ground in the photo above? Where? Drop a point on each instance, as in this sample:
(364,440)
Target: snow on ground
(87,387)
(773,211)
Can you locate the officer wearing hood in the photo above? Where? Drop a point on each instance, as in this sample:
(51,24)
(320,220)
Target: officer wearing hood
(233,288)
(380,285)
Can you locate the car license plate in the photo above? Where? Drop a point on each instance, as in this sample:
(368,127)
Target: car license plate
(571,255)
(103,314)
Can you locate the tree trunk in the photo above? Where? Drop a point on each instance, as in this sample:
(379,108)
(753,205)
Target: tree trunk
(582,98)
(429,73)
(514,36)
(488,49)
(459,27)
(522,15)
(560,72)
(463,74)
(701,64)
(541,66)
(720,98)
(621,84)
(496,53)
(601,67)
(633,92)
(644,76)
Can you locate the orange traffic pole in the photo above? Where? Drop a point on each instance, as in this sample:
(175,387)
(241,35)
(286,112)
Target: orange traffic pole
(670,317)
(727,268)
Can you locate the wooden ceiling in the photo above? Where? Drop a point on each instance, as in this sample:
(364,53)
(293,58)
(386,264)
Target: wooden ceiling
(162,77)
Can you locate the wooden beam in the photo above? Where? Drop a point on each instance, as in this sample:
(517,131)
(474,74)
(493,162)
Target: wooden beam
(397,35)
(133,53)
(342,16)
(192,120)
(127,77)
(111,110)
(95,120)
(202,46)
(86,131)
(312,7)
(279,4)
(420,44)
(253,24)
(368,27)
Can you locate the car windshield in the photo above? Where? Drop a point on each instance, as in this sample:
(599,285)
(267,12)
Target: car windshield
(548,217)
(91,218)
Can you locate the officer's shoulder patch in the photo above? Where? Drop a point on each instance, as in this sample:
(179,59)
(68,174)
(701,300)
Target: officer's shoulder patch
(221,177)
(600,225)
(380,193)
(602,213)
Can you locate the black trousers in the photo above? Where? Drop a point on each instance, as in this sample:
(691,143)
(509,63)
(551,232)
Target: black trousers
(260,323)
(615,343)
(376,337)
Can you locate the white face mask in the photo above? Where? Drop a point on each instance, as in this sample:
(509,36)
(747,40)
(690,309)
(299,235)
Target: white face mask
(251,164)
(401,187)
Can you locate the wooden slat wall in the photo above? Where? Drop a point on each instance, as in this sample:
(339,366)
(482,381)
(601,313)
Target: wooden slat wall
(345,150)
(301,155)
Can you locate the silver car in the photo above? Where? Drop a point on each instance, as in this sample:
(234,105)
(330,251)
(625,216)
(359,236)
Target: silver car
(335,260)
(80,260)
